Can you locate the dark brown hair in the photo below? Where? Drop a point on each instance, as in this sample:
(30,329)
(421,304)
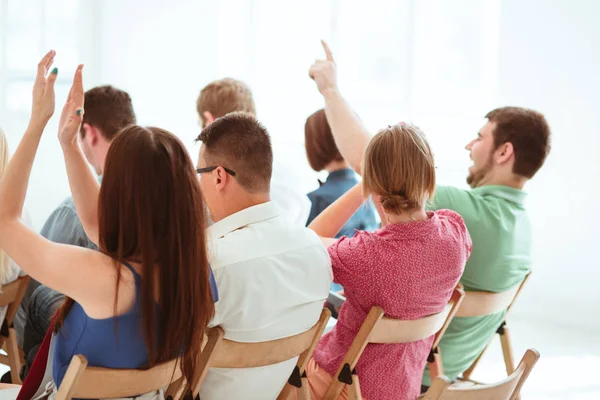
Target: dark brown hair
(239,142)
(528,132)
(319,142)
(224,96)
(108,109)
(151,211)
(398,165)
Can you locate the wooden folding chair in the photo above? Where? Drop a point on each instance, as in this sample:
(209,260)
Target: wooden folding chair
(11,296)
(478,304)
(379,329)
(298,380)
(223,353)
(508,389)
(85,382)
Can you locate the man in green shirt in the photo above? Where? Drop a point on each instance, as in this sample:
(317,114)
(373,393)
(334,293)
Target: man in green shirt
(509,149)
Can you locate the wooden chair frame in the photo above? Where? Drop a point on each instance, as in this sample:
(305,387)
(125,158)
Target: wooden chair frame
(379,329)
(11,296)
(223,353)
(81,381)
(508,388)
(478,304)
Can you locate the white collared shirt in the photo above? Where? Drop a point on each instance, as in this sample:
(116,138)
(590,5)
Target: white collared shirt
(273,278)
(285,192)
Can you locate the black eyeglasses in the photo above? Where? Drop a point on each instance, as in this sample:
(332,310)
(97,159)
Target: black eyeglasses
(209,169)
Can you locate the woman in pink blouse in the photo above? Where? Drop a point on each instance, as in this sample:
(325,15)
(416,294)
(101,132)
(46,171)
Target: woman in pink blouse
(409,267)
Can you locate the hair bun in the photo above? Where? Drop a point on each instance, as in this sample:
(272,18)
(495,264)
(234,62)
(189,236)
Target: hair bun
(397,201)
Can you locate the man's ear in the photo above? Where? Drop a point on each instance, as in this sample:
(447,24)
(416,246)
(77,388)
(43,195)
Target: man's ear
(91,133)
(504,153)
(221,178)
(208,118)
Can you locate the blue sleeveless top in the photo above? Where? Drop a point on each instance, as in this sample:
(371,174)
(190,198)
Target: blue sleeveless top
(96,338)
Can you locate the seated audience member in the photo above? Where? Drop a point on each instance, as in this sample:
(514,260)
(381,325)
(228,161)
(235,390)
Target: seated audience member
(151,267)
(273,275)
(409,267)
(323,154)
(9,271)
(107,110)
(508,151)
(228,95)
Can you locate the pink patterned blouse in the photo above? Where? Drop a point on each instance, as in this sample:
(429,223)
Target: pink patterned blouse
(410,270)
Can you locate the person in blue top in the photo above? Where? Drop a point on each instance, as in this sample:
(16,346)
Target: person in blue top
(129,305)
(323,155)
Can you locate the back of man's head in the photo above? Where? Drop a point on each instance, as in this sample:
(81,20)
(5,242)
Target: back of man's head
(528,132)
(108,109)
(239,142)
(224,96)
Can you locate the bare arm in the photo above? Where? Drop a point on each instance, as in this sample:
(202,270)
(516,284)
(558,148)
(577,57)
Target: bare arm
(84,187)
(333,218)
(351,136)
(74,271)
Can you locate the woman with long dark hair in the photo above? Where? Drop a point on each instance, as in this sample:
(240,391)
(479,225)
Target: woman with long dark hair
(131,303)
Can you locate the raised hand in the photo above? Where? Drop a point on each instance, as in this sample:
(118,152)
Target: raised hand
(72,113)
(324,72)
(43,90)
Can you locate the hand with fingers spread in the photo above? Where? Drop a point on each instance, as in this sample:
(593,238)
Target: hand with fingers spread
(72,113)
(43,90)
(324,72)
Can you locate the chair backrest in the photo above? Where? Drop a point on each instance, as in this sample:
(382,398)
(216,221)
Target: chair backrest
(509,388)
(223,353)
(389,330)
(478,304)
(379,329)
(103,383)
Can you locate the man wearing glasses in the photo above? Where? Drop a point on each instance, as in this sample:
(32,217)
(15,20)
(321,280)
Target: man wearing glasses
(229,95)
(273,276)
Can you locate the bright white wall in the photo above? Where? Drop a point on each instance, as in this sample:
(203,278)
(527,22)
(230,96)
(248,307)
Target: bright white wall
(440,64)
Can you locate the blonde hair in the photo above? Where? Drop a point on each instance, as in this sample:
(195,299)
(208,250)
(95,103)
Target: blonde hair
(4,260)
(224,96)
(398,165)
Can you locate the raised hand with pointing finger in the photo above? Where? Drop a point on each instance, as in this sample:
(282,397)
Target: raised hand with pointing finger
(351,136)
(324,72)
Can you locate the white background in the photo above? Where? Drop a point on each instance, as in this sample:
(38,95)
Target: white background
(437,63)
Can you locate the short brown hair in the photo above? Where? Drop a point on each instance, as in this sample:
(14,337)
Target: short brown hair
(224,96)
(320,145)
(528,132)
(241,143)
(398,165)
(108,109)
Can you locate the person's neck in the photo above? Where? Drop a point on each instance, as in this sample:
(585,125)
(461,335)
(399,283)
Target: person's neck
(336,166)
(245,201)
(101,153)
(405,217)
(510,180)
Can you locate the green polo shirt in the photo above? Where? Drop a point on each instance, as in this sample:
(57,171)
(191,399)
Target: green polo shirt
(501,258)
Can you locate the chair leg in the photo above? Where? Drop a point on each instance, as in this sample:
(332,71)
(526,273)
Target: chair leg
(14,357)
(304,391)
(509,360)
(354,389)
(287,391)
(436,367)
